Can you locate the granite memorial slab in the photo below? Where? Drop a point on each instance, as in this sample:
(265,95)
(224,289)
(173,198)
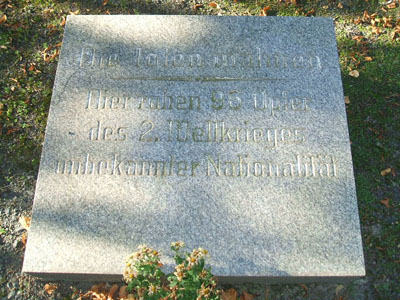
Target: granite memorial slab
(228,133)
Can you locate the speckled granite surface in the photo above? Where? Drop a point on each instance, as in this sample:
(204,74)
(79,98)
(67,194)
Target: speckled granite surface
(228,133)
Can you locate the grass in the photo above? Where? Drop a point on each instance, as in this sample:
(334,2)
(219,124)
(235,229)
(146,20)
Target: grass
(368,43)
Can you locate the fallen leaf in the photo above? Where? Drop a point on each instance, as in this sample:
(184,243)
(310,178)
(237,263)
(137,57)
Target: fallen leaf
(325,7)
(123,293)
(25,222)
(368,58)
(113,290)
(386,202)
(24,238)
(230,294)
(105,2)
(391,5)
(264,11)
(357,37)
(293,2)
(50,288)
(63,20)
(3,19)
(246,296)
(310,12)
(305,288)
(386,171)
(97,288)
(74,12)
(346,99)
(365,16)
(266,8)
(131,297)
(354,73)
(198,6)
(340,5)
(213,4)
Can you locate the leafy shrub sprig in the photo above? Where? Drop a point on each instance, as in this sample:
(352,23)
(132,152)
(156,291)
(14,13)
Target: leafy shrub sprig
(190,279)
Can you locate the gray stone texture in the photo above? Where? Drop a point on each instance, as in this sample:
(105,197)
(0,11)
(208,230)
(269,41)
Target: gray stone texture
(228,133)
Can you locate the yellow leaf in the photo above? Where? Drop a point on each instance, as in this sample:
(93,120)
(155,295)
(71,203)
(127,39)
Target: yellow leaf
(354,73)
(74,12)
(368,58)
(24,238)
(63,20)
(3,19)
(340,5)
(346,100)
(386,171)
(25,222)
(386,202)
(50,288)
(230,294)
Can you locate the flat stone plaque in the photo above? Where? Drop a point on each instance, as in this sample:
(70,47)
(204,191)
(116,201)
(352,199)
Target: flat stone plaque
(228,133)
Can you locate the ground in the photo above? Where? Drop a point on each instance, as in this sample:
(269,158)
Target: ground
(368,35)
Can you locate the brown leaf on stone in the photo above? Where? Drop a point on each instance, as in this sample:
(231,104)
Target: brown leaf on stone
(230,294)
(63,20)
(246,296)
(386,202)
(50,288)
(3,19)
(25,222)
(123,293)
(386,171)
(213,4)
(354,73)
(113,290)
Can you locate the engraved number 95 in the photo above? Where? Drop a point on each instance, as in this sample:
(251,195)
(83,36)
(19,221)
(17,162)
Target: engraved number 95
(219,100)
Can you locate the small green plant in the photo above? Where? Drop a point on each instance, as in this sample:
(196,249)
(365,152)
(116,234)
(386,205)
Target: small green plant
(190,279)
